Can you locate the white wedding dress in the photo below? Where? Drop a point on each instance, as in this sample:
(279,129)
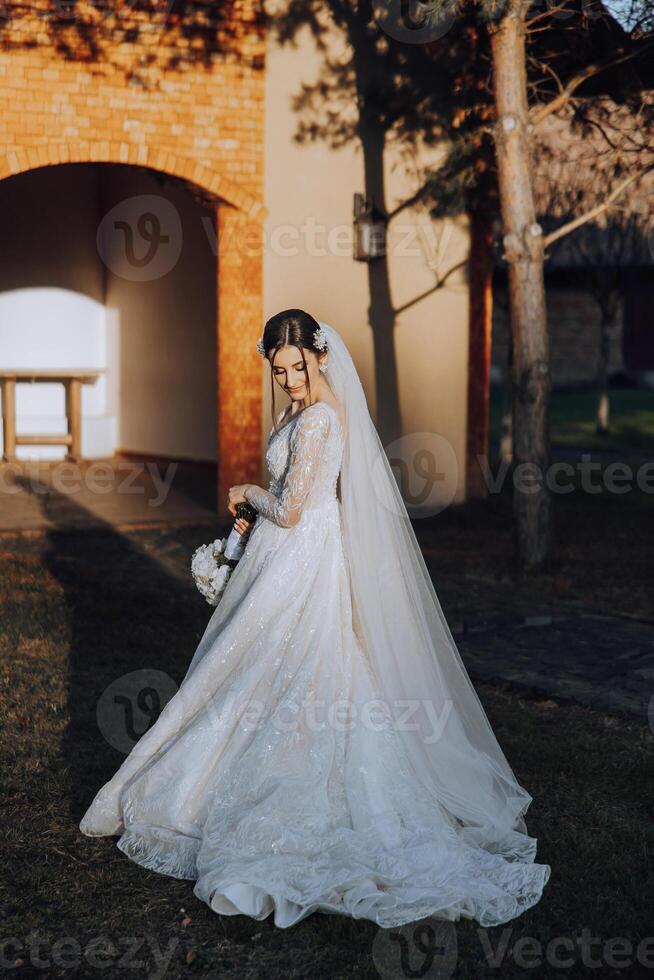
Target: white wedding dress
(266,779)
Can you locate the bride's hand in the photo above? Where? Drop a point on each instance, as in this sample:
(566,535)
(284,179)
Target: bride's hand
(242,526)
(236,496)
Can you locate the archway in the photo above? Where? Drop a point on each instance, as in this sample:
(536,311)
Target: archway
(181,376)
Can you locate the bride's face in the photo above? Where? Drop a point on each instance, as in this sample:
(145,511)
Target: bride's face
(289,372)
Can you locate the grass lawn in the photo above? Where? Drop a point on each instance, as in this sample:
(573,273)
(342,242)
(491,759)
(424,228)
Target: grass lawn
(601,549)
(601,534)
(80,609)
(572,419)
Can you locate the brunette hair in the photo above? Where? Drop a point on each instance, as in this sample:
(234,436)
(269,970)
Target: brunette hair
(293,328)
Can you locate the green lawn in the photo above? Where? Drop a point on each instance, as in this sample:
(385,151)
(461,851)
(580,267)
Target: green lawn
(572,419)
(600,552)
(80,609)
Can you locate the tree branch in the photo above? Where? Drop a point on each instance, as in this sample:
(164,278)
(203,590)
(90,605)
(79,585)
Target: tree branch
(538,114)
(437,285)
(414,199)
(596,211)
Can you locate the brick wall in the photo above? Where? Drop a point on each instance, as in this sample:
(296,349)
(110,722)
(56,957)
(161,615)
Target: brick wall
(574,325)
(131,105)
(179,96)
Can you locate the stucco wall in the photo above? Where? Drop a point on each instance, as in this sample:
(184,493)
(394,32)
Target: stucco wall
(64,306)
(309,195)
(204,123)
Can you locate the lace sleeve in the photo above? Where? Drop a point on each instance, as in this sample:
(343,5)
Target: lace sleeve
(307,449)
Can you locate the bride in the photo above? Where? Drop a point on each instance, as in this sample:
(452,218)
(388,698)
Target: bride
(326,750)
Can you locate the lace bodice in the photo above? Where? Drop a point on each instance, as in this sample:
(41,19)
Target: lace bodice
(304,458)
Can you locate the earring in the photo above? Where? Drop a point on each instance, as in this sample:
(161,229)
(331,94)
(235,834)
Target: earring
(323,367)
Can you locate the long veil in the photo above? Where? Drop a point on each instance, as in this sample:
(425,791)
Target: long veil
(398,619)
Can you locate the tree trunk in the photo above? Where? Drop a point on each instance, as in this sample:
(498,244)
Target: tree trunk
(479,350)
(372,133)
(602,422)
(506,425)
(609,303)
(523,243)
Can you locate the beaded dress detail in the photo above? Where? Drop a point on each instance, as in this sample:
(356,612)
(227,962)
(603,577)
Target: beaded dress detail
(268,778)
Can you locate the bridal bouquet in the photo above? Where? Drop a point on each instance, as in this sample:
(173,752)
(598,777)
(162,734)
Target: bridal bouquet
(211,570)
(212,564)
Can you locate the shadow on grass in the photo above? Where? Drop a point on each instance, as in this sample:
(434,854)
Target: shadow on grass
(83,607)
(102,609)
(125,612)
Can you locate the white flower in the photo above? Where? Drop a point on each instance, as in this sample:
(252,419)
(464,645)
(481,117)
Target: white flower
(209,575)
(218,578)
(203,562)
(320,338)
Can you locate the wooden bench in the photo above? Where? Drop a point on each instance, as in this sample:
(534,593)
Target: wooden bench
(72,381)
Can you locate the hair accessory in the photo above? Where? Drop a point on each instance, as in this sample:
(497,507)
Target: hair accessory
(320,338)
